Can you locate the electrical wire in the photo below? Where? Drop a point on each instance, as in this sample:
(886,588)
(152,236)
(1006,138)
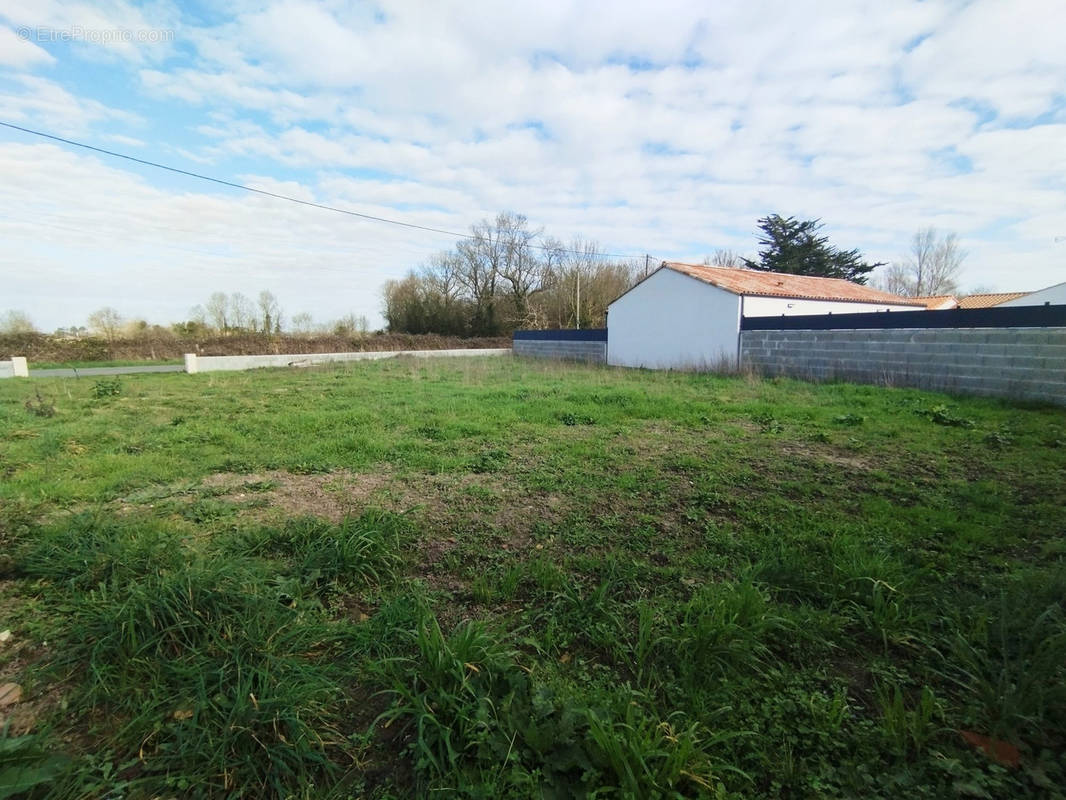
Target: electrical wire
(278,196)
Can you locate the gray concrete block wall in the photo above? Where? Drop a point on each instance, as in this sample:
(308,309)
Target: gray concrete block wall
(1023,363)
(592,352)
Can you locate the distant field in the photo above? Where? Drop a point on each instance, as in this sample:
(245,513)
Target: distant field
(499,578)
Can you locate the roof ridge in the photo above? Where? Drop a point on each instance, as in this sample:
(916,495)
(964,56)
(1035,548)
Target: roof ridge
(765,283)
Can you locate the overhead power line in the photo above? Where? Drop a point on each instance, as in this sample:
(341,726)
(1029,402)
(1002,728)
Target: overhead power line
(275,195)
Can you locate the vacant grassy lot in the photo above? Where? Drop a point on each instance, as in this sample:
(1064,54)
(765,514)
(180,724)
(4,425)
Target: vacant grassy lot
(494,578)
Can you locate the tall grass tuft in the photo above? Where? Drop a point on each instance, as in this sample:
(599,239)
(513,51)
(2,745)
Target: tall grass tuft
(90,548)
(359,551)
(449,695)
(724,631)
(216,680)
(1011,662)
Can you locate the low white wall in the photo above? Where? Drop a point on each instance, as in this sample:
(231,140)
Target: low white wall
(7,369)
(195,363)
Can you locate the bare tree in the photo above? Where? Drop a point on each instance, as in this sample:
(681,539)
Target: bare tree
(105,321)
(724,258)
(302,323)
(16,322)
(506,276)
(242,312)
(441,275)
(480,259)
(579,283)
(932,266)
(351,325)
(522,268)
(217,308)
(269,312)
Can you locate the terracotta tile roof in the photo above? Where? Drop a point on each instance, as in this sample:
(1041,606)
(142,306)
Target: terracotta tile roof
(780,284)
(939,302)
(989,300)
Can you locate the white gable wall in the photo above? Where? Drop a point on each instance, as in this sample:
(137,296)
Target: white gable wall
(673,321)
(1056,295)
(778,306)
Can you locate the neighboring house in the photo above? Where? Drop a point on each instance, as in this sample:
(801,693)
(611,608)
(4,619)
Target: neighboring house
(1052,295)
(684,316)
(989,300)
(939,302)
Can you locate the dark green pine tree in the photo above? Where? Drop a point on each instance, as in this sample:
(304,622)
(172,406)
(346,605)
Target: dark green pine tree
(794,246)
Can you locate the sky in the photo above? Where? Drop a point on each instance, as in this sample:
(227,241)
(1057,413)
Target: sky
(665,128)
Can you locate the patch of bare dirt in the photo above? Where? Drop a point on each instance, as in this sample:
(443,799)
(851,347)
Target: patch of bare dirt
(22,703)
(812,452)
(447,505)
(333,495)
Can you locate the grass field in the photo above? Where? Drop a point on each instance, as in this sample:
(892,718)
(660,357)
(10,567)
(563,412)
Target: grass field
(497,578)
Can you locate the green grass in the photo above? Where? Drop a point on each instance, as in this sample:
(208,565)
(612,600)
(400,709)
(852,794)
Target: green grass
(496,578)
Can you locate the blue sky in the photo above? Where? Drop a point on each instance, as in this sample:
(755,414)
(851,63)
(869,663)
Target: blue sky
(666,128)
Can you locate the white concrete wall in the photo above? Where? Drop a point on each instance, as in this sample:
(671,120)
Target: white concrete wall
(1056,295)
(778,306)
(673,321)
(224,363)
(7,369)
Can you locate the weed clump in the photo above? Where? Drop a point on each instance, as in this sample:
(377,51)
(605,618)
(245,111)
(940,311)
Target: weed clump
(768,423)
(488,461)
(39,406)
(107,387)
(849,419)
(942,415)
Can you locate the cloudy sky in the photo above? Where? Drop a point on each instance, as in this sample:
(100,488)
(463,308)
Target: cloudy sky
(665,128)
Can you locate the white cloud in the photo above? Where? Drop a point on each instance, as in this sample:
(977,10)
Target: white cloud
(45,103)
(16,51)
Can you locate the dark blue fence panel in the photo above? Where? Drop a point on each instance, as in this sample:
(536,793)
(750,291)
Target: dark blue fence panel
(1045,316)
(564,335)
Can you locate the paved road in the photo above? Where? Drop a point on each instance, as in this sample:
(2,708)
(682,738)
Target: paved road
(88,371)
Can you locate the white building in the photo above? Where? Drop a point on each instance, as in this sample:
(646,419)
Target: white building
(1052,295)
(684,316)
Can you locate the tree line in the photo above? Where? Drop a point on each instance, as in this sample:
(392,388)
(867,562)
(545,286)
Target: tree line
(221,315)
(507,275)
